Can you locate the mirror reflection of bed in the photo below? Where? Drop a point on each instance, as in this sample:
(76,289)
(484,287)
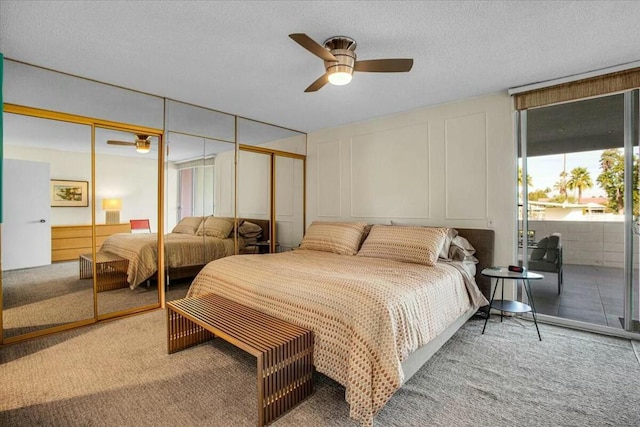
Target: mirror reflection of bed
(251,233)
(200,176)
(127,262)
(90,144)
(134,182)
(47,231)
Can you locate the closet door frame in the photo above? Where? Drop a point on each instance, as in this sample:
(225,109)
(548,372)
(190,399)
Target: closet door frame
(94,122)
(272,185)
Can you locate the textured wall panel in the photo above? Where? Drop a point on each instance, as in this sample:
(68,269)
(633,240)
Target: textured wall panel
(466,167)
(390,173)
(329,179)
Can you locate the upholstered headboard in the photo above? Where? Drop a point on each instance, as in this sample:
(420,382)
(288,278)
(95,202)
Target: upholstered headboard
(483,242)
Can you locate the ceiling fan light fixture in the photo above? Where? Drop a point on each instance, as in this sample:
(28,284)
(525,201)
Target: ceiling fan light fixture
(143,148)
(143,145)
(339,56)
(340,78)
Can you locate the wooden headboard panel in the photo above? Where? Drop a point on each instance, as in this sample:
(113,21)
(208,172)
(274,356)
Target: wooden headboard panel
(483,242)
(264,224)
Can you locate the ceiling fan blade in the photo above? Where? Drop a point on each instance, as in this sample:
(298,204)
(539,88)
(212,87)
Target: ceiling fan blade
(397,65)
(308,43)
(318,84)
(112,142)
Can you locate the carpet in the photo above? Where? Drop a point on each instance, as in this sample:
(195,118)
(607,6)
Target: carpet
(118,373)
(52,295)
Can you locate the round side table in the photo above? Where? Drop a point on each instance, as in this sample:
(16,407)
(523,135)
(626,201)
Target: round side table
(510,306)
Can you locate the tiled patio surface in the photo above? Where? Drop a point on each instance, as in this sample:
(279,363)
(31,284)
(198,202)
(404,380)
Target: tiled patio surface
(590,294)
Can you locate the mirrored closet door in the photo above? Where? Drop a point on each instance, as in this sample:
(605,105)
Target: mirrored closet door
(271,168)
(200,192)
(126,220)
(47,225)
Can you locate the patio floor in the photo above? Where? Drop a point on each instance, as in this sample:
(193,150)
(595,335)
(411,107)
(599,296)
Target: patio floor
(590,294)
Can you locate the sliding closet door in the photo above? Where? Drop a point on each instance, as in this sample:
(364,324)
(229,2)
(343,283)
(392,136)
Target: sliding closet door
(200,165)
(289,202)
(254,194)
(126,194)
(47,223)
(271,182)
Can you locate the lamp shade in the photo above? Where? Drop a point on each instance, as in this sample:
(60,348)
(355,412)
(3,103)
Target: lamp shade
(111,204)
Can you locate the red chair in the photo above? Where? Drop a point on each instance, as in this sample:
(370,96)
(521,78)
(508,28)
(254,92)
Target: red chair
(140,225)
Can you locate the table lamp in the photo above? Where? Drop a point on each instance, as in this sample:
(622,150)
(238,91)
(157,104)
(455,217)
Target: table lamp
(112,210)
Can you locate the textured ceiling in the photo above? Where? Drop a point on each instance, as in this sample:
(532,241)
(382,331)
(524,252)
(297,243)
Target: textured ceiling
(236,56)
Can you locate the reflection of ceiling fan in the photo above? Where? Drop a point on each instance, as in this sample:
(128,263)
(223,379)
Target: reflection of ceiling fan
(340,62)
(142,143)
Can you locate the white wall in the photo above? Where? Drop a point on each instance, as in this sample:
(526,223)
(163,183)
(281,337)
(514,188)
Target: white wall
(449,165)
(295,144)
(254,185)
(133,179)
(171,196)
(597,243)
(224,184)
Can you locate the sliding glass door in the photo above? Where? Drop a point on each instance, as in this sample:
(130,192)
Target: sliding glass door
(578,206)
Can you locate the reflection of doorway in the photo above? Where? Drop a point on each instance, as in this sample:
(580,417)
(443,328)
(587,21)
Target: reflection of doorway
(39,293)
(576,159)
(26,227)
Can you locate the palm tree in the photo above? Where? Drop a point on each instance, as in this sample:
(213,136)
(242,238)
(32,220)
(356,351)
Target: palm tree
(561,185)
(580,180)
(529,181)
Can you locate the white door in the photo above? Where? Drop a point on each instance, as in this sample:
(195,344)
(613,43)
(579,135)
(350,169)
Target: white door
(26,231)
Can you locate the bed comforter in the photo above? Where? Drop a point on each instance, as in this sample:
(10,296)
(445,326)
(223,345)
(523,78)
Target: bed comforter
(181,250)
(367,314)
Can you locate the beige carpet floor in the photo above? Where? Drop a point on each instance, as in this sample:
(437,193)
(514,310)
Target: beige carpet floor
(48,296)
(118,374)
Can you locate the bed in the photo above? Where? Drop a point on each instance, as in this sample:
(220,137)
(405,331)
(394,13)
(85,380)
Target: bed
(193,242)
(379,307)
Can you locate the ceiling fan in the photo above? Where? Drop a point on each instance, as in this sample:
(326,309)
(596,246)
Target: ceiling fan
(339,56)
(142,143)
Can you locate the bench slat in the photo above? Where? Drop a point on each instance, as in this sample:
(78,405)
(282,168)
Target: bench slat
(284,351)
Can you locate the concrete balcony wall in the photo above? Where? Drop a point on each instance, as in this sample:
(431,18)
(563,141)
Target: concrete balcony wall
(588,242)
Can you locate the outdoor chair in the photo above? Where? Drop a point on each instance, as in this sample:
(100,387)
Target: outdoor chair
(547,257)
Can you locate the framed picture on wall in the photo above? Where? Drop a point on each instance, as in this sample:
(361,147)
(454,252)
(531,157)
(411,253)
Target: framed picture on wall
(69,193)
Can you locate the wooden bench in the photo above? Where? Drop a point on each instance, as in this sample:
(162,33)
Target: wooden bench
(111,270)
(284,351)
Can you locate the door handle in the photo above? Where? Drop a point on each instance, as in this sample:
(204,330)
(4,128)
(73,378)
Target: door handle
(43,221)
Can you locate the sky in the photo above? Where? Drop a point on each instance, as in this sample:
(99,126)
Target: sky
(545,171)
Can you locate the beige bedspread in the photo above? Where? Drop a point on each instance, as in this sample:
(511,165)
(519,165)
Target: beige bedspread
(367,314)
(181,250)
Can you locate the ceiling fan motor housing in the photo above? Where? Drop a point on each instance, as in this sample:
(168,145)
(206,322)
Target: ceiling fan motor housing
(143,144)
(343,48)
